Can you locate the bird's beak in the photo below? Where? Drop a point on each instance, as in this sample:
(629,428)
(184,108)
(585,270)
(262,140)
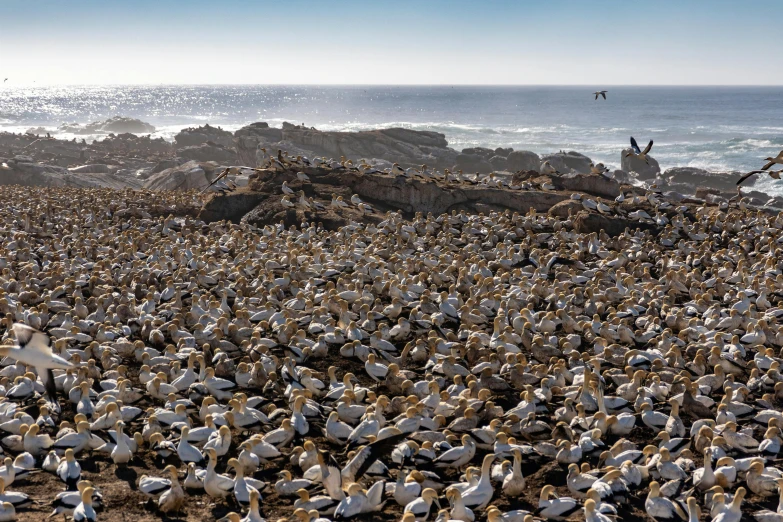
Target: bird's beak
(437,503)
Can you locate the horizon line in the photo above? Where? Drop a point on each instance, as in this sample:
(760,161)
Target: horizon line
(590,86)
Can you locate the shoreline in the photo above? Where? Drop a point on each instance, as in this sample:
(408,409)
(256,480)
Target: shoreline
(121,150)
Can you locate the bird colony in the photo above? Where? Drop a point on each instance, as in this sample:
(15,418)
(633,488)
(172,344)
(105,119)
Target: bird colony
(498,367)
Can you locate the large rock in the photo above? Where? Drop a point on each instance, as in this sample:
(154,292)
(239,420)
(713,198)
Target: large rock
(471,163)
(623,176)
(261,130)
(643,170)
(51,148)
(404,146)
(588,222)
(384,192)
(38,131)
(37,175)
(95,169)
(118,124)
(128,143)
(498,163)
(694,178)
(568,207)
(198,135)
(479,151)
(523,160)
(232,206)
(162,165)
(190,175)
(567,161)
(208,152)
(594,184)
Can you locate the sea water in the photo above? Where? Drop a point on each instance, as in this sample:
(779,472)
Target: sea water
(714,128)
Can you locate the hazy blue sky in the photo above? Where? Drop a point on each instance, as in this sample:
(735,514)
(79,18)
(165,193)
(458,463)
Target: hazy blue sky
(593,42)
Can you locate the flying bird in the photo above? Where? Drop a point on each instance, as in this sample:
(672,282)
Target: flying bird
(220,176)
(772,161)
(775,174)
(600,93)
(33,350)
(641,154)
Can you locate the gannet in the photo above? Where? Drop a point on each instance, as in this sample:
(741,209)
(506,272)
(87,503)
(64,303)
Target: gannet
(641,154)
(34,350)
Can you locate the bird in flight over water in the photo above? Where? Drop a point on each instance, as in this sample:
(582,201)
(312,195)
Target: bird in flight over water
(772,161)
(775,174)
(600,93)
(641,154)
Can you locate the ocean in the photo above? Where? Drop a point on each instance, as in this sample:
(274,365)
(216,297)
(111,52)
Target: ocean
(715,128)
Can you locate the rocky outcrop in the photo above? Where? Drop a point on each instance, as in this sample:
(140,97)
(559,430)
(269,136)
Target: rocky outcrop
(118,124)
(93,169)
(128,143)
(623,177)
(523,160)
(404,146)
(199,135)
(208,152)
(471,163)
(644,171)
(499,163)
(233,206)
(383,192)
(38,131)
(482,152)
(23,171)
(190,175)
(568,207)
(690,178)
(567,161)
(589,183)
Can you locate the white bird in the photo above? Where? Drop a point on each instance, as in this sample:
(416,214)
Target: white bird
(479,495)
(357,502)
(34,350)
(173,498)
(216,485)
(69,469)
(85,512)
(66,501)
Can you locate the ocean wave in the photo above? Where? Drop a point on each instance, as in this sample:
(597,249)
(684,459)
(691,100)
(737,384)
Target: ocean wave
(701,131)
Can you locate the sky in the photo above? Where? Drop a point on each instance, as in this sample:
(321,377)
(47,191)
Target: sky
(450,42)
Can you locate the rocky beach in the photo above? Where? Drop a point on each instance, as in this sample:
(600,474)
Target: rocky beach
(127,157)
(357,261)
(247,304)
